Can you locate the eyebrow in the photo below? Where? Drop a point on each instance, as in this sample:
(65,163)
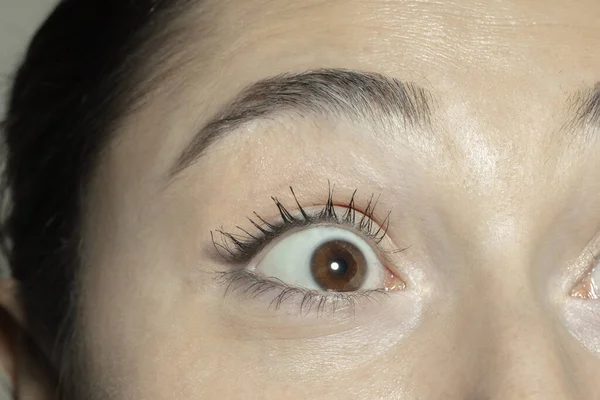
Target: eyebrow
(585,108)
(329,92)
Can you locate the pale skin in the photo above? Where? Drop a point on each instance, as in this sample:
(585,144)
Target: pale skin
(495,203)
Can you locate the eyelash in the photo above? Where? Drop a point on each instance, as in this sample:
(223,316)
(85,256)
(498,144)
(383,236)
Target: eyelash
(241,248)
(254,285)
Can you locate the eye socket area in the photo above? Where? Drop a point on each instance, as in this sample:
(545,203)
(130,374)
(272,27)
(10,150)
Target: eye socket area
(327,258)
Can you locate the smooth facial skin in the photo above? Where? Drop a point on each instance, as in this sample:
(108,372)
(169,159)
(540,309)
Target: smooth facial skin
(492,190)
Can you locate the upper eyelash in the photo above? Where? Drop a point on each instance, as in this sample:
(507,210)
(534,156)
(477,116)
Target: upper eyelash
(242,247)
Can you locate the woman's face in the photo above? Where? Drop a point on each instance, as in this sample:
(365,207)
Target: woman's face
(441,232)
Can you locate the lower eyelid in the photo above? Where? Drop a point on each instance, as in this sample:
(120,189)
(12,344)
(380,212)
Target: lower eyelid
(278,295)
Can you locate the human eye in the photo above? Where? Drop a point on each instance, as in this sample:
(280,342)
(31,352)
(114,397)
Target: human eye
(323,257)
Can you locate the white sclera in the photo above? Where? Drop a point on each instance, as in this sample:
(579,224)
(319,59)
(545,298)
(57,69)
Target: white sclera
(289,259)
(594,282)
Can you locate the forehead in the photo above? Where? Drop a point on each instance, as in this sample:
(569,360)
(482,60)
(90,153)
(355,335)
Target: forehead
(484,60)
(503,74)
(400,36)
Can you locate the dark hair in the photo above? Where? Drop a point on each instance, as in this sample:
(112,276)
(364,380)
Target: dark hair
(71,87)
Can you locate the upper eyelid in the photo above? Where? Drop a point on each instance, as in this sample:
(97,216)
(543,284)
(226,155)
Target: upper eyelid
(250,245)
(278,229)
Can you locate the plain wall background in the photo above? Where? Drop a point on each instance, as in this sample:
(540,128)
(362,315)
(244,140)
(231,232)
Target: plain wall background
(18,21)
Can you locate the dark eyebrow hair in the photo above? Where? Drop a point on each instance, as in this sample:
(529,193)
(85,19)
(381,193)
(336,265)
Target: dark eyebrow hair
(355,95)
(586,107)
(583,113)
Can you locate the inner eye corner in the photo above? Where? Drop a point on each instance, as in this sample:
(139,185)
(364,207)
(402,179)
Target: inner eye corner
(586,288)
(587,285)
(394,281)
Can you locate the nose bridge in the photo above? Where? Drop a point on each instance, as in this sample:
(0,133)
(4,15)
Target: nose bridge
(523,357)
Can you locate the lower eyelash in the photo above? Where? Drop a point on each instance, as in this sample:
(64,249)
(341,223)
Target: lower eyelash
(254,285)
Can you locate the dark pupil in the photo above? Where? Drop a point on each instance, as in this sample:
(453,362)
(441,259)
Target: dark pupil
(338,266)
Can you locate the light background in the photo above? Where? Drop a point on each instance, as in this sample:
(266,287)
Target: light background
(18,21)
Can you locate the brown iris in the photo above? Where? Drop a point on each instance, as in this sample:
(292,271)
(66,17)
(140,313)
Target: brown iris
(338,266)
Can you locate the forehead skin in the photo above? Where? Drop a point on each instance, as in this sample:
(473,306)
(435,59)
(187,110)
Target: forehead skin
(496,202)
